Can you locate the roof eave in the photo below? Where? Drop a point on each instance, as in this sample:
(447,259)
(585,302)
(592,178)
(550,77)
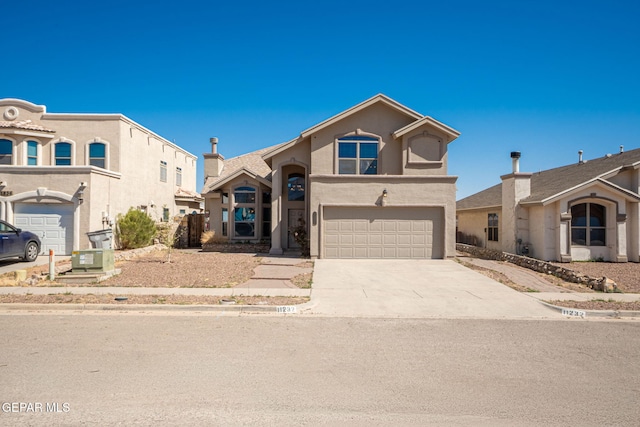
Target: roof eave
(449,131)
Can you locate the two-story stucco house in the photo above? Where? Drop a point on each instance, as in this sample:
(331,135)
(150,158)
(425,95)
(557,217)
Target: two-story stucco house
(370,182)
(587,210)
(63,175)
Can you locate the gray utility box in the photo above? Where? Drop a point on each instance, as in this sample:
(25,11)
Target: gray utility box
(92,261)
(101,239)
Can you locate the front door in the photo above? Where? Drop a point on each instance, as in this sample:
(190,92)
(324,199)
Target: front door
(296,216)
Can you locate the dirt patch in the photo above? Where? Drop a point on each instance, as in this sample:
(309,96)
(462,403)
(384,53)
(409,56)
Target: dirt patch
(303,281)
(183,269)
(148,299)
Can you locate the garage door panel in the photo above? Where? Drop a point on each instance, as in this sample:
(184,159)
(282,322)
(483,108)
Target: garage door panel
(52,222)
(383,232)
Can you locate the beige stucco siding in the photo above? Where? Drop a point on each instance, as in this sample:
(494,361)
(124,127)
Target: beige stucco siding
(473,224)
(378,120)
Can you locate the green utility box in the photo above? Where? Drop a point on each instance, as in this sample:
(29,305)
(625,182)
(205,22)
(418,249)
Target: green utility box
(92,261)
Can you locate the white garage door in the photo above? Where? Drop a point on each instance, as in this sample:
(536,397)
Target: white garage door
(383,232)
(52,222)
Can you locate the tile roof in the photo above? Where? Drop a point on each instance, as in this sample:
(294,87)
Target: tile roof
(24,124)
(251,162)
(546,184)
(183,193)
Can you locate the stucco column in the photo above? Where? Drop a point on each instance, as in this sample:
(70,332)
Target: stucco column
(621,238)
(565,237)
(276,212)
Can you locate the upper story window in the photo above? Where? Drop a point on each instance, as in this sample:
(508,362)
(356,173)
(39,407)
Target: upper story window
(178,177)
(295,186)
(588,224)
(63,154)
(492,227)
(32,153)
(6,152)
(98,154)
(163,171)
(358,155)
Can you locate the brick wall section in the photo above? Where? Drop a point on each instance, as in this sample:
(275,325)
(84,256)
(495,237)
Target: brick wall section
(599,284)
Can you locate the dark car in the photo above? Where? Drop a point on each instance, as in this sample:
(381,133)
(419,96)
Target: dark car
(17,243)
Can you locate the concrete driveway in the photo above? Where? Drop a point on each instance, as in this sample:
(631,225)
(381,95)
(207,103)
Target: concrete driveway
(415,289)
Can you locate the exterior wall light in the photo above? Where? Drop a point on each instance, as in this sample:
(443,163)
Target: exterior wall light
(383,202)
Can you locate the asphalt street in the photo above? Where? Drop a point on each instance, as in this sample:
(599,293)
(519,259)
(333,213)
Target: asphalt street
(213,369)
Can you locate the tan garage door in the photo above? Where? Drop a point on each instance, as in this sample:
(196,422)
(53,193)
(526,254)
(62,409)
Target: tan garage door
(383,232)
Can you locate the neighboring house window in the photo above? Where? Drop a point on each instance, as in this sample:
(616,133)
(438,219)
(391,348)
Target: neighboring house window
(178,176)
(32,153)
(358,155)
(163,171)
(98,154)
(295,186)
(6,152)
(165,214)
(63,154)
(492,227)
(225,222)
(183,211)
(588,224)
(244,212)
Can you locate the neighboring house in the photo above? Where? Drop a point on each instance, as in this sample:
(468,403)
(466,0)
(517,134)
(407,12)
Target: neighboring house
(584,211)
(370,182)
(63,175)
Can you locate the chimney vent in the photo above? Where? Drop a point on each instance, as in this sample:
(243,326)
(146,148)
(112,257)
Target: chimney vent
(515,161)
(580,157)
(621,149)
(214,145)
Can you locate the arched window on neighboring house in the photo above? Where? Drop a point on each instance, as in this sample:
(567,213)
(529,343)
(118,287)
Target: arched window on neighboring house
(63,154)
(588,225)
(98,154)
(6,152)
(32,153)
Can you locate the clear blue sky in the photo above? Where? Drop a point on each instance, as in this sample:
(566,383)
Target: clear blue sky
(547,78)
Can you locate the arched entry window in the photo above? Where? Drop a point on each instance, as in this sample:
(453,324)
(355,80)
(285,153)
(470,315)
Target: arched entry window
(244,212)
(295,187)
(588,224)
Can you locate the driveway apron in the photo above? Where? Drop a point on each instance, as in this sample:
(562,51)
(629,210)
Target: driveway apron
(415,289)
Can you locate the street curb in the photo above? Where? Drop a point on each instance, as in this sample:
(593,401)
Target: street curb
(145,307)
(596,313)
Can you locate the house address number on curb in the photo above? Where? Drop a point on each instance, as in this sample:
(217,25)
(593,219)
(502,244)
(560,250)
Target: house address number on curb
(576,313)
(286,309)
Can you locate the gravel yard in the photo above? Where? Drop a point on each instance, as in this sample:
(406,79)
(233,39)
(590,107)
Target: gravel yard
(625,274)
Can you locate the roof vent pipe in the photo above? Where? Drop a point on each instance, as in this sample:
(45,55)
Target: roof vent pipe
(214,145)
(515,161)
(580,157)
(621,149)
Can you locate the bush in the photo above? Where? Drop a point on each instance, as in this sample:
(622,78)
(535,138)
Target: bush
(135,229)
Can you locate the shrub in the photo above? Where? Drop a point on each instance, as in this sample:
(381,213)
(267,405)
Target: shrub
(135,229)
(300,236)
